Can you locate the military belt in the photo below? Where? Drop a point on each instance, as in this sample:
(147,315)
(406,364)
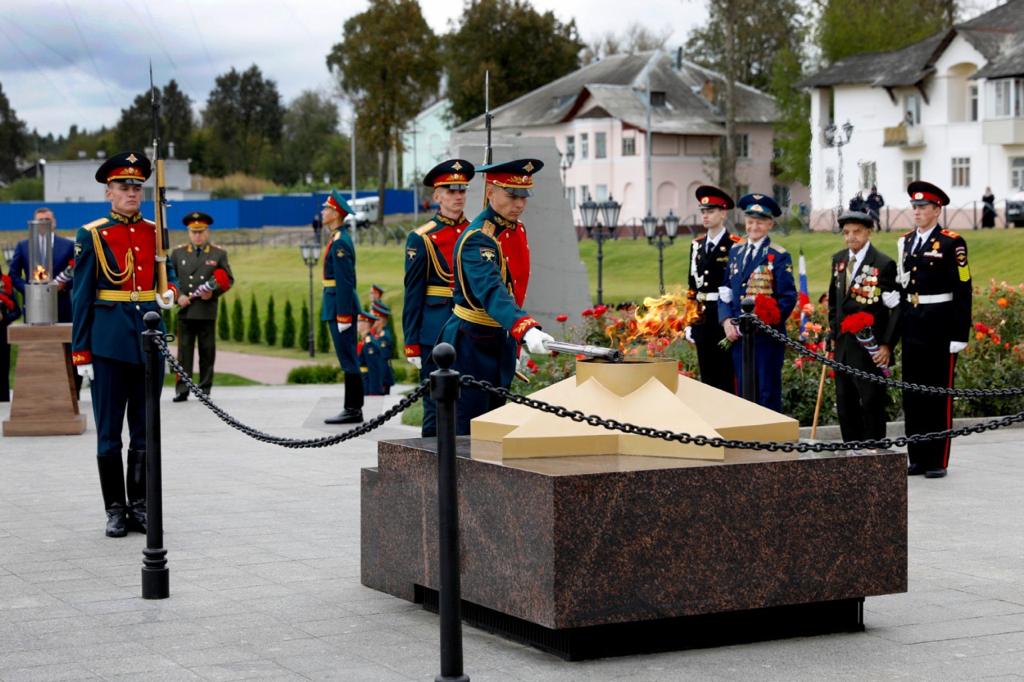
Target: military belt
(329,283)
(435,290)
(125,296)
(474,316)
(707,296)
(918,299)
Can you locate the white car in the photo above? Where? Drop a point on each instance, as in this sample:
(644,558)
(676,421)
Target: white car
(367,211)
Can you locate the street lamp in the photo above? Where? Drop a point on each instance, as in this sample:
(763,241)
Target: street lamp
(310,255)
(8,251)
(671,223)
(610,213)
(565,165)
(839,138)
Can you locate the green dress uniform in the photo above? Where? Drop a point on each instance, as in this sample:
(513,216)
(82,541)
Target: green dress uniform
(197,268)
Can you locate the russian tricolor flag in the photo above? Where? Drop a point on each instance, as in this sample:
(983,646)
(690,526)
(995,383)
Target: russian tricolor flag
(805,297)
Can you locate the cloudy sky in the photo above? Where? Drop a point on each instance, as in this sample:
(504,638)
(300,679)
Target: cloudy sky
(81,62)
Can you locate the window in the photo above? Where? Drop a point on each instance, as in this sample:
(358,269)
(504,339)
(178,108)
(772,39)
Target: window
(961,171)
(570,145)
(1006,98)
(743,146)
(601,193)
(629,146)
(781,195)
(742,190)
(570,196)
(600,145)
(1017,173)
(584,146)
(658,98)
(1018,97)
(830,178)
(912,109)
(584,193)
(868,174)
(972,102)
(911,171)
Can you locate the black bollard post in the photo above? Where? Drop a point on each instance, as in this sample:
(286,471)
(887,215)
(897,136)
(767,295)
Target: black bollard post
(749,378)
(444,389)
(155,575)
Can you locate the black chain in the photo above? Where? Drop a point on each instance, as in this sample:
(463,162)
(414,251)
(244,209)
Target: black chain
(322,442)
(878,378)
(718,442)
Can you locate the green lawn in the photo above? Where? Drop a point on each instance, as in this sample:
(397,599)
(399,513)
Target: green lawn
(630,269)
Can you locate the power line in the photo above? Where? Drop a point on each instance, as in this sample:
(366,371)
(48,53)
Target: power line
(199,32)
(92,57)
(63,94)
(155,32)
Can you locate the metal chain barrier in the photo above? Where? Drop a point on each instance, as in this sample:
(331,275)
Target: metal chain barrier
(718,442)
(322,442)
(878,378)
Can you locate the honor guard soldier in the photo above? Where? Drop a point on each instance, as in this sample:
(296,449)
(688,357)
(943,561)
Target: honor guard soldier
(204,275)
(758,268)
(487,323)
(709,259)
(429,268)
(384,335)
(863,278)
(115,277)
(372,362)
(377,298)
(340,304)
(935,319)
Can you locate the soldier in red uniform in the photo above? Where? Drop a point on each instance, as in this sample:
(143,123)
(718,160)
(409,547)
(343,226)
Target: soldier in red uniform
(115,280)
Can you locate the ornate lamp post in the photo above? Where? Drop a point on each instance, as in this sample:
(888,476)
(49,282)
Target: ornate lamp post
(311,255)
(595,230)
(565,165)
(839,138)
(671,223)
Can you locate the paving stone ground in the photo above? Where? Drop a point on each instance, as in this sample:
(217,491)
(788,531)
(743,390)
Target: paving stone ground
(264,558)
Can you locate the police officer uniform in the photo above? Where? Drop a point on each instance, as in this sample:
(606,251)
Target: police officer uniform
(709,258)
(857,284)
(340,306)
(429,278)
(935,311)
(115,277)
(757,269)
(372,360)
(200,269)
(383,334)
(487,324)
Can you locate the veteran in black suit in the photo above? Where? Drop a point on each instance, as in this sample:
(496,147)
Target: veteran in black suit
(861,276)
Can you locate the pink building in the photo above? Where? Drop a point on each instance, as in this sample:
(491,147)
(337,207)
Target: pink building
(599,114)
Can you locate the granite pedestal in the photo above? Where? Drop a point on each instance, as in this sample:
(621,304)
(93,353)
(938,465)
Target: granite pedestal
(600,555)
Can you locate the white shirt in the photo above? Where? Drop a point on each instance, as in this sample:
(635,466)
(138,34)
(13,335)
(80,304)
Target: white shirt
(857,258)
(712,239)
(921,238)
(752,249)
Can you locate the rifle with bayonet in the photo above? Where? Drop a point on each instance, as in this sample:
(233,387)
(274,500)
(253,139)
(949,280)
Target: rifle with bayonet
(488,154)
(159,196)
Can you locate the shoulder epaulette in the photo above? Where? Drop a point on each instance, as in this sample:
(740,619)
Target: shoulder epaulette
(181,246)
(425,228)
(700,237)
(100,222)
(777,247)
(736,239)
(488,228)
(907,234)
(951,233)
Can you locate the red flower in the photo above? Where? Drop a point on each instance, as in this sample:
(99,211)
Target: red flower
(771,257)
(600,310)
(767,308)
(532,366)
(589,312)
(562,318)
(978,326)
(1002,302)
(856,322)
(6,284)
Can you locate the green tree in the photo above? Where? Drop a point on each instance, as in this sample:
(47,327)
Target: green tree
(634,39)
(534,49)
(270,326)
(237,323)
(323,341)
(848,27)
(253,330)
(793,129)
(311,142)
(135,127)
(288,328)
(223,326)
(388,64)
(23,189)
(13,139)
(302,340)
(244,117)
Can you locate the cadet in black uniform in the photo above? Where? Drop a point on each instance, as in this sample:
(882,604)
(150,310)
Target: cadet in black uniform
(935,313)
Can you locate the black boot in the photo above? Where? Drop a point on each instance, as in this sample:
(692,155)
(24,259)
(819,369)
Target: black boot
(135,483)
(353,412)
(112,486)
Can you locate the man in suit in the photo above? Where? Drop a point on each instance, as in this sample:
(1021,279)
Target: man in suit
(204,276)
(759,268)
(861,274)
(63,255)
(709,258)
(115,285)
(935,319)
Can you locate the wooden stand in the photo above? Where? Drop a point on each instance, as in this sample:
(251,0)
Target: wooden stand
(45,402)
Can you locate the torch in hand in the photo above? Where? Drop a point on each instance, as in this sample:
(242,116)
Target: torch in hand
(859,324)
(219,282)
(63,279)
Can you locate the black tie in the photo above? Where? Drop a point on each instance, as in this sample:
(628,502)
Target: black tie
(751,250)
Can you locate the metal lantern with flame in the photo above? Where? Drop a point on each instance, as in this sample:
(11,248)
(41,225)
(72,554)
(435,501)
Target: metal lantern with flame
(40,289)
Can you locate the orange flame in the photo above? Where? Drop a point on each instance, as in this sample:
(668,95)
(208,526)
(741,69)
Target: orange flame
(663,319)
(40,275)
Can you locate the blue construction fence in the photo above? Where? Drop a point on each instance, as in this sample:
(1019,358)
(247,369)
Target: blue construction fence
(289,210)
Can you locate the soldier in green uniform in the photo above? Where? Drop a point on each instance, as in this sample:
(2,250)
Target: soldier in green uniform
(204,275)
(384,335)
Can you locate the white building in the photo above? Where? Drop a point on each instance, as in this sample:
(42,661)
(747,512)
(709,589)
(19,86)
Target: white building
(75,181)
(425,142)
(949,110)
(599,113)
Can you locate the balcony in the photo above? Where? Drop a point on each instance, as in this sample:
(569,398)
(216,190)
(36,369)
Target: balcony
(1003,131)
(903,136)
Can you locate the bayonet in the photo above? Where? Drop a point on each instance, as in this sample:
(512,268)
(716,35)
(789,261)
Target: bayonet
(159,191)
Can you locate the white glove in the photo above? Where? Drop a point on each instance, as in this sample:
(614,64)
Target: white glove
(165,300)
(891,299)
(725,295)
(416,361)
(688,334)
(957,346)
(535,340)
(342,326)
(85,371)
